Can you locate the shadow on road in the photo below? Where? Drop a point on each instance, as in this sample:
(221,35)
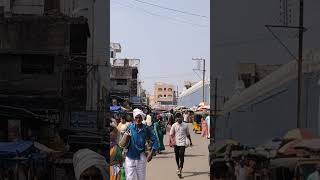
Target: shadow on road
(191,174)
(187,155)
(167,152)
(163,157)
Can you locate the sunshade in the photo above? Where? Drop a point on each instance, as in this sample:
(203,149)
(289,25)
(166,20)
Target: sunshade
(220,145)
(298,134)
(310,144)
(288,149)
(10,149)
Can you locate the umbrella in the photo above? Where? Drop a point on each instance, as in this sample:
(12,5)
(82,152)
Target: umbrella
(220,146)
(311,144)
(298,134)
(270,145)
(288,149)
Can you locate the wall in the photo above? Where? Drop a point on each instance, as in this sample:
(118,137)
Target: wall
(13,80)
(28,7)
(163,92)
(273,114)
(23,34)
(99,78)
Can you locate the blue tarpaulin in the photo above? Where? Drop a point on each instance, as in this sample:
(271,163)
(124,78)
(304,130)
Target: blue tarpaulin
(9,149)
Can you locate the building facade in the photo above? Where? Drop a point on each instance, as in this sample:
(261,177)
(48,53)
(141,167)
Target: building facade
(164,94)
(124,78)
(267,109)
(41,75)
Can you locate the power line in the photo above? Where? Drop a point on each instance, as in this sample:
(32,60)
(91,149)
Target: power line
(168,76)
(175,10)
(162,16)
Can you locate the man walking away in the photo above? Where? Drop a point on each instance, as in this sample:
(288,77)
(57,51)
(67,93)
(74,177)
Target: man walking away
(136,160)
(180,131)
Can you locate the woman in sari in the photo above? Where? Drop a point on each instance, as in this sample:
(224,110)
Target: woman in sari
(115,155)
(204,128)
(159,131)
(171,141)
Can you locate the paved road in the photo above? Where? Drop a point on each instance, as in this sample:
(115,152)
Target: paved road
(163,166)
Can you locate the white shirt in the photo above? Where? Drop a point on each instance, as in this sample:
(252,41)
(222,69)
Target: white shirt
(149,120)
(314,176)
(180,131)
(185,118)
(241,173)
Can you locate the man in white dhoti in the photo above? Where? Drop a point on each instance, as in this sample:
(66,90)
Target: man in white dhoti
(136,159)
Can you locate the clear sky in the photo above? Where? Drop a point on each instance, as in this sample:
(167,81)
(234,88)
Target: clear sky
(164,40)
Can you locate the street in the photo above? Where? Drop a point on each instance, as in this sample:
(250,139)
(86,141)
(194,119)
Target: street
(163,166)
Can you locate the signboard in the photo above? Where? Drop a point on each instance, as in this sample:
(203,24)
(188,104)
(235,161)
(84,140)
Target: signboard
(84,120)
(14,129)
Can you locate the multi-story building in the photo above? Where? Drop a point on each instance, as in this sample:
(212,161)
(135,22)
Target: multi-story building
(53,60)
(164,94)
(124,78)
(45,76)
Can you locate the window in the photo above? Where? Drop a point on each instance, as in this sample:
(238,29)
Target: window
(112,54)
(159,96)
(134,73)
(165,89)
(169,96)
(37,64)
(165,95)
(159,89)
(170,89)
(121,82)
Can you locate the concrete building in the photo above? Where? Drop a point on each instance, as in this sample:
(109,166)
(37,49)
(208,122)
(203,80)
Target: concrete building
(267,109)
(115,48)
(124,78)
(41,75)
(193,95)
(164,94)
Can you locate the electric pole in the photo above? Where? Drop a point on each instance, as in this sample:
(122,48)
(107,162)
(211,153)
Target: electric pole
(215,110)
(301,30)
(203,75)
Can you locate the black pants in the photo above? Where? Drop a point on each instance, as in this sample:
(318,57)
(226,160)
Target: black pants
(179,152)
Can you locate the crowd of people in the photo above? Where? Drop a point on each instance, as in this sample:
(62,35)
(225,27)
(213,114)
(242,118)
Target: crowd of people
(143,134)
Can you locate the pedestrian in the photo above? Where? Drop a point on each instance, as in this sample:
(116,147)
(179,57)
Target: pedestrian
(316,174)
(208,125)
(185,116)
(240,171)
(180,131)
(136,158)
(204,128)
(115,155)
(158,129)
(123,125)
(170,140)
(148,119)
